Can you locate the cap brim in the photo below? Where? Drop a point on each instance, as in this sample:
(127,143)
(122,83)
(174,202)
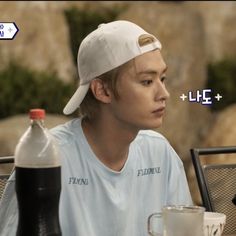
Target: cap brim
(76,99)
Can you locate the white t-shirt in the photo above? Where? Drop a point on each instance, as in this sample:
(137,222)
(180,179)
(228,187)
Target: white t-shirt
(97,201)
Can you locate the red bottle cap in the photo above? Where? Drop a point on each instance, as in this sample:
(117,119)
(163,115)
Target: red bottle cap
(37,114)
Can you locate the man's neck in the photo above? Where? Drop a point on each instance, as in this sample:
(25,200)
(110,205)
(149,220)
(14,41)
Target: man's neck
(109,141)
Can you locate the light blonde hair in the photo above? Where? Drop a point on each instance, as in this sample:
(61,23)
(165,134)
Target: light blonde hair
(145,39)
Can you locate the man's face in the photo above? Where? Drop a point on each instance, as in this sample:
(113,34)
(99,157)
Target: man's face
(142,92)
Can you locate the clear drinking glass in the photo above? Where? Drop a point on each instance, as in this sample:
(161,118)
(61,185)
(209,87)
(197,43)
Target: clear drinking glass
(177,221)
(155,224)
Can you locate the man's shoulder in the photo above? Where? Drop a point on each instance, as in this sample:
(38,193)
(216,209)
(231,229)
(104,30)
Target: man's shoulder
(65,133)
(151,140)
(152,143)
(151,135)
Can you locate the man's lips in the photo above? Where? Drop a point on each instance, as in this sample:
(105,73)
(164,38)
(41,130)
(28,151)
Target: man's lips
(159,110)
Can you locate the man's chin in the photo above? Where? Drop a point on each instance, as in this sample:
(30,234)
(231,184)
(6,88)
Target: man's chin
(154,125)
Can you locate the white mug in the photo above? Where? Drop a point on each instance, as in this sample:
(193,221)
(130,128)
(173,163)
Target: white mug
(214,223)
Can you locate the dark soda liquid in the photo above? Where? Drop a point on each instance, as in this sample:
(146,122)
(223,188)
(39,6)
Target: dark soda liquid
(38,193)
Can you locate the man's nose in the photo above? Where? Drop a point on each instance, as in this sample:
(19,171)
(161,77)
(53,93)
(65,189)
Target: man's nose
(162,93)
(166,94)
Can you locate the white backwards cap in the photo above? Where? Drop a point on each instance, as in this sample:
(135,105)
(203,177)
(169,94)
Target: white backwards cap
(106,48)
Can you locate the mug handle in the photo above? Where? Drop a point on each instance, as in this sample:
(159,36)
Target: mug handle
(153,220)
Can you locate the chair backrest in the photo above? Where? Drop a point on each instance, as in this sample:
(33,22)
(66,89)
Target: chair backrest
(4,177)
(3,181)
(217,183)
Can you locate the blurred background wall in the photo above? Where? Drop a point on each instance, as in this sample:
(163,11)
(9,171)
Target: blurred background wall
(38,67)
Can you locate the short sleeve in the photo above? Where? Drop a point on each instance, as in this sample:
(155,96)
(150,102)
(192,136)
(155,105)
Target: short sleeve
(178,188)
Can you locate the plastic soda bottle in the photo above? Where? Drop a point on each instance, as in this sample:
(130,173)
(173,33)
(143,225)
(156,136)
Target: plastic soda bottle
(38,180)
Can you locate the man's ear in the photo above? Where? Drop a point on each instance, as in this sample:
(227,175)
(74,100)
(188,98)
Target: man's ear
(100,90)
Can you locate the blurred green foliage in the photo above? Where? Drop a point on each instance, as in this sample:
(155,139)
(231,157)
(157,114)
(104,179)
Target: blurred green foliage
(83,21)
(221,79)
(22,89)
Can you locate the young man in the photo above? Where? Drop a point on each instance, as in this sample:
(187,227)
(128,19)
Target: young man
(116,171)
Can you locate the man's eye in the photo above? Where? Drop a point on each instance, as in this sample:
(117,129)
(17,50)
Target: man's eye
(146,82)
(163,79)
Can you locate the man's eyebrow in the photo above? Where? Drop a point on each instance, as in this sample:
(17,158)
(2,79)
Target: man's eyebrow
(153,72)
(165,69)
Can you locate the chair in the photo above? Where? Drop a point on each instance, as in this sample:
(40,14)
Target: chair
(4,177)
(217,182)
